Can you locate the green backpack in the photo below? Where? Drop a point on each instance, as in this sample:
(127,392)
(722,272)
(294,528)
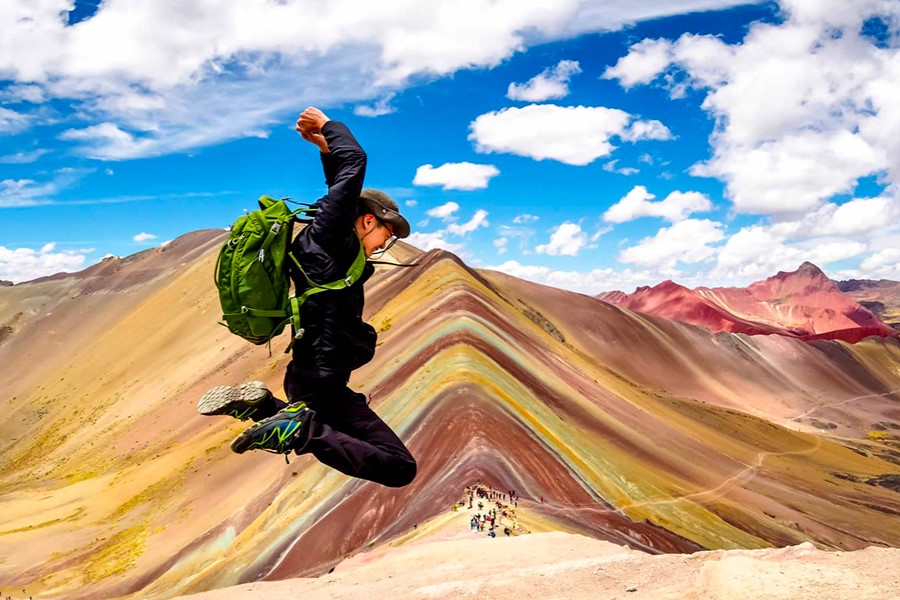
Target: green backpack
(252,273)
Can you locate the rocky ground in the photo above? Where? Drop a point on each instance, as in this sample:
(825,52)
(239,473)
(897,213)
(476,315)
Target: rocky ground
(445,559)
(561,565)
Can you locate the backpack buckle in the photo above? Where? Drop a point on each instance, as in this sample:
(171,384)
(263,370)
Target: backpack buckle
(276,227)
(300,333)
(348,280)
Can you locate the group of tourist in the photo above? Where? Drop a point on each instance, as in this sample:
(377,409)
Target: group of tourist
(502,505)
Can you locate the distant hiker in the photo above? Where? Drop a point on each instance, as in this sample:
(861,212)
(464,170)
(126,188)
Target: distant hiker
(325,417)
(506,531)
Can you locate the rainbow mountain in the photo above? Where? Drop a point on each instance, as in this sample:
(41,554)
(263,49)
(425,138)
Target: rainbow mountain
(650,433)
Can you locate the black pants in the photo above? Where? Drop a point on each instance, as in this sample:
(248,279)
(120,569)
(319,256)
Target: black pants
(347,435)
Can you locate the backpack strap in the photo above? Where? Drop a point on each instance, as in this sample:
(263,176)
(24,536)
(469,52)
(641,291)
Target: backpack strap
(353,275)
(283,221)
(393,264)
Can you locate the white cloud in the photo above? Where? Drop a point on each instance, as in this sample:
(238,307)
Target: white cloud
(550,84)
(758,251)
(643,63)
(685,241)
(432,241)
(804,108)
(178,79)
(22,192)
(522,235)
(611,167)
(456,176)
(444,211)
(834,251)
(792,174)
(525,218)
(24,157)
(567,240)
(438,239)
(143,237)
(28,192)
(411,203)
(12,122)
(586,282)
(25,264)
(500,245)
(599,232)
(856,217)
(107,140)
(677,206)
(882,265)
(23,93)
(646,130)
(479,219)
(860,228)
(575,135)
(747,245)
(381,107)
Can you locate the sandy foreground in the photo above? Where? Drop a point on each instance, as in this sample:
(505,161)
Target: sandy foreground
(563,565)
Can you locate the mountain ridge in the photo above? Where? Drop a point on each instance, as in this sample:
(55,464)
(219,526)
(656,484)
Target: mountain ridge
(881,297)
(804,304)
(610,423)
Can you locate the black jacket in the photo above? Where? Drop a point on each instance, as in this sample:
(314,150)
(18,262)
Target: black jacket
(336,339)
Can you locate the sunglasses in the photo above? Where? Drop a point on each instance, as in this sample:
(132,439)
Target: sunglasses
(388,242)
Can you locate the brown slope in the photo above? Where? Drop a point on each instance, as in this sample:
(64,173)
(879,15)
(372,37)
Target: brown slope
(637,430)
(881,297)
(803,303)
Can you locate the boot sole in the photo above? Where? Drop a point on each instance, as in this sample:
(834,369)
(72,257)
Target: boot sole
(244,441)
(226,398)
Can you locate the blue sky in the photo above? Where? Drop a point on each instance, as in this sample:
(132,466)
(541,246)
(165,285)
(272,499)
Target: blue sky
(591,145)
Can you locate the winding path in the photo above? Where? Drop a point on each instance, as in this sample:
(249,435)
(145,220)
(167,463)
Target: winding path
(840,402)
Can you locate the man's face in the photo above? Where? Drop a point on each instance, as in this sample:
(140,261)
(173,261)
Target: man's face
(374,234)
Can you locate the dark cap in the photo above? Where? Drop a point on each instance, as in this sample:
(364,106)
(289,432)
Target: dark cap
(380,204)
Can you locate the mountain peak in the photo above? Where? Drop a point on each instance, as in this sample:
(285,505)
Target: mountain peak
(805,272)
(799,303)
(668,284)
(807,268)
(807,280)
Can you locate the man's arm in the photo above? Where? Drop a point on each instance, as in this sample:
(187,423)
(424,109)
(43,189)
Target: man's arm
(344,162)
(312,121)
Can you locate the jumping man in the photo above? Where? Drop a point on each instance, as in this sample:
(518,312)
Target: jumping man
(322,416)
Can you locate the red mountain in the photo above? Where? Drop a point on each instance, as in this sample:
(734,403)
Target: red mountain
(803,304)
(882,297)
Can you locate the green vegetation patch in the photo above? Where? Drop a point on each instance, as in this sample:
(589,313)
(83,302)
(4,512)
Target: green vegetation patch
(157,492)
(72,517)
(751,431)
(117,554)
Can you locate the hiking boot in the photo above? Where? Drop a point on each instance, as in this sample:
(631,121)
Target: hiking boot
(248,401)
(278,433)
